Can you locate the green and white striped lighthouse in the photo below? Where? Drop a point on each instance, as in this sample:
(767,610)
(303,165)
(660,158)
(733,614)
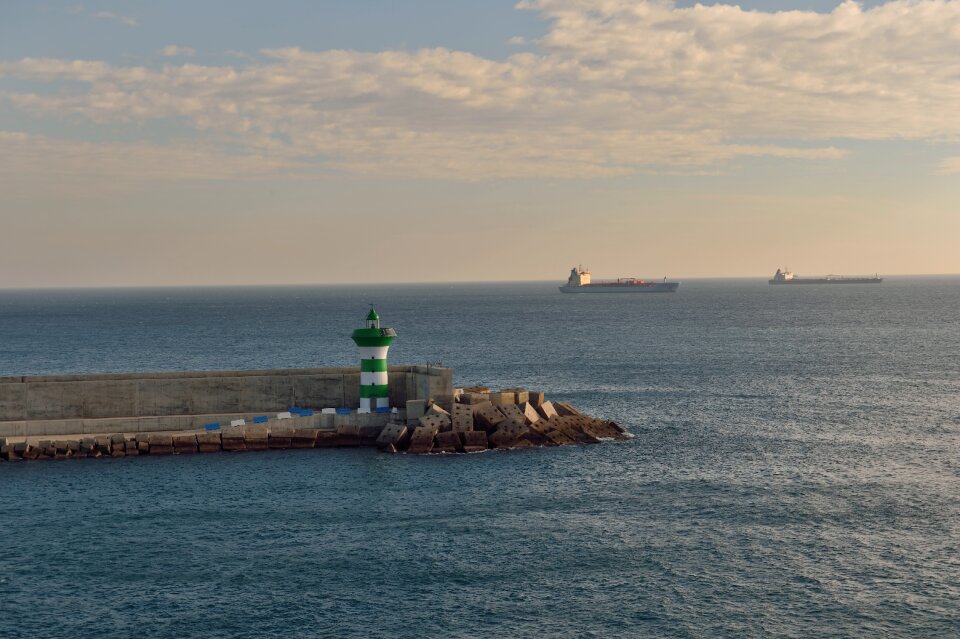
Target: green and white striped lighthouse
(374,342)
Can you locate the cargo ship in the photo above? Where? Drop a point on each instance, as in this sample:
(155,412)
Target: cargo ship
(579,282)
(786,277)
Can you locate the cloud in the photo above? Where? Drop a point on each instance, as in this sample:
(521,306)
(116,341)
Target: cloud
(613,88)
(173,51)
(949,166)
(109,15)
(29,163)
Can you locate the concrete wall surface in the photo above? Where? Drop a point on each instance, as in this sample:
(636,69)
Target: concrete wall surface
(79,398)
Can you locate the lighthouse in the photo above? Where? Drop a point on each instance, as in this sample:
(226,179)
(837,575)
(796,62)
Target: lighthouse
(374,342)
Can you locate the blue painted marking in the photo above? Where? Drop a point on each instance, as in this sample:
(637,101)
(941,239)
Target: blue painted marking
(306,412)
(263,419)
(212,426)
(383,409)
(344,411)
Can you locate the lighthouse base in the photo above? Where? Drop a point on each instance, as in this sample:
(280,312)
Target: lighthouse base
(373,403)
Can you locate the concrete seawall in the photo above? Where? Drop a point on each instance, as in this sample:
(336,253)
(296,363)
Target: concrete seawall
(34,406)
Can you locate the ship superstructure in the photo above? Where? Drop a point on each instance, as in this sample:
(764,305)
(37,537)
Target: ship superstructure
(581,282)
(785,276)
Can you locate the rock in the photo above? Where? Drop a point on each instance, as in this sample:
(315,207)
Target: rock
(185,444)
(391,435)
(547,411)
(474,441)
(209,442)
(448,442)
(303,438)
(422,440)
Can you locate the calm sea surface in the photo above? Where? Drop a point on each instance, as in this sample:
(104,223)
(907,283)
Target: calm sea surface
(795,471)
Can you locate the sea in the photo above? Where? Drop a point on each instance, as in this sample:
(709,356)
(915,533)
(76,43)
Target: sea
(794,470)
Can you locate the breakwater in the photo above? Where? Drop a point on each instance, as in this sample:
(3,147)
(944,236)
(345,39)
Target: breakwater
(477,420)
(53,405)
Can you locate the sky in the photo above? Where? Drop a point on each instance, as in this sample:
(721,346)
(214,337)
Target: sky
(319,142)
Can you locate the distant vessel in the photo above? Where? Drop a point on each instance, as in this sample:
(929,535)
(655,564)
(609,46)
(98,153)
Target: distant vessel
(579,282)
(786,277)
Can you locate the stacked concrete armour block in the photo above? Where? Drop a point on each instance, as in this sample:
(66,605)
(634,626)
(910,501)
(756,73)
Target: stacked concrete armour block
(232,438)
(209,442)
(280,437)
(392,435)
(448,442)
(348,435)
(566,410)
(437,421)
(474,441)
(303,438)
(507,434)
(161,444)
(530,414)
(256,437)
(486,417)
(468,397)
(512,412)
(535,397)
(503,397)
(547,411)
(520,395)
(185,444)
(462,418)
(422,440)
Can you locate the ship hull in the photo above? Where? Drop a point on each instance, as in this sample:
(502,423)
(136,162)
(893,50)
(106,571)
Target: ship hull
(848,280)
(658,287)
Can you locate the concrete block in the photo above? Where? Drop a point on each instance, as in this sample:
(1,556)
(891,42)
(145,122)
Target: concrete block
(474,441)
(304,438)
(512,412)
(232,438)
(530,414)
(462,418)
(437,421)
(13,429)
(503,397)
(392,435)
(507,434)
(13,401)
(422,440)
(448,442)
(348,435)
(161,444)
(487,417)
(209,442)
(535,398)
(183,444)
(564,409)
(280,437)
(473,398)
(547,411)
(415,410)
(256,437)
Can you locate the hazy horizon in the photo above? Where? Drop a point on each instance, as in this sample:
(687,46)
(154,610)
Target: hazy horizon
(148,144)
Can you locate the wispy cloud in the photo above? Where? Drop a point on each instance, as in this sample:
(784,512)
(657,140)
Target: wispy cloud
(173,51)
(614,88)
(130,21)
(949,166)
